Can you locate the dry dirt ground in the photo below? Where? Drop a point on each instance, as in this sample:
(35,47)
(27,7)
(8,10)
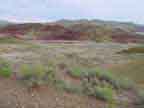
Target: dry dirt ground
(13,95)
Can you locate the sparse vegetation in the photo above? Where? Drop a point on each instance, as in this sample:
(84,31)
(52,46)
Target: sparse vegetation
(100,83)
(74,69)
(93,82)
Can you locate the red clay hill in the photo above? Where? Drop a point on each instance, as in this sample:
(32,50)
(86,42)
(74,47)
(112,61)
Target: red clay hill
(75,30)
(41,32)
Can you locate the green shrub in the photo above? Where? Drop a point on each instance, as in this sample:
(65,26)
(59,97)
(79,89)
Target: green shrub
(50,73)
(77,72)
(72,88)
(5,68)
(100,83)
(26,71)
(140,100)
(125,83)
(104,93)
(39,70)
(103,74)
(116,82)
(28,76)
(37,74)
(61,84)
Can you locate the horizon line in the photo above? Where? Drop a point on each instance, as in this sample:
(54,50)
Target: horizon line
(68,19)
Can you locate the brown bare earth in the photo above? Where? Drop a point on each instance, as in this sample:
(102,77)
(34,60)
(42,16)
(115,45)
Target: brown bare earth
(13,95)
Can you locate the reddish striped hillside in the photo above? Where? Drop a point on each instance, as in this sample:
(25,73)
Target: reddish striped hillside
(55,31)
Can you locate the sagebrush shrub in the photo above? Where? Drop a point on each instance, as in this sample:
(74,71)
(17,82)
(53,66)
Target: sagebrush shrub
(104,93)
(77,72)
(5,68)
(37,73)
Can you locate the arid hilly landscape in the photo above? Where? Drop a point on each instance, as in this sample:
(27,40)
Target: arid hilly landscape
(95,30)
(71,64)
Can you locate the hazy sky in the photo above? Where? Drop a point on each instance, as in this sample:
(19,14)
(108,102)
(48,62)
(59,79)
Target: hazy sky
(46,10)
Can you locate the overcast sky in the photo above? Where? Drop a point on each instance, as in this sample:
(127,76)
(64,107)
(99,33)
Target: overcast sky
(47,10)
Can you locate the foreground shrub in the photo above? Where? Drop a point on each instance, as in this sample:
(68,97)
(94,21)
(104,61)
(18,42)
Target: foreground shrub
(61,84)
(104,93)
(26,71)
(5,68)
(77,72)
(36,74)
(140,101)
(124,83)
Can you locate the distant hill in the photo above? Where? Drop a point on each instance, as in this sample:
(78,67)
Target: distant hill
(4,23)
(96,30)
(128,26)
(40,32)
(106,30)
